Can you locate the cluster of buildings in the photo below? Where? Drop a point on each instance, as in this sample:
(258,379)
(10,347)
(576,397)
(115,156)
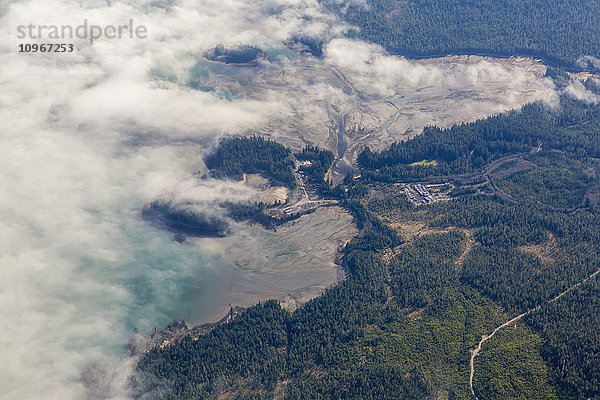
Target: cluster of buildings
(419,193)
(425,194)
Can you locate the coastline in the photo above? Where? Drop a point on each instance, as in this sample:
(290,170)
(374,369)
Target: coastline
(177,330)
(265,267)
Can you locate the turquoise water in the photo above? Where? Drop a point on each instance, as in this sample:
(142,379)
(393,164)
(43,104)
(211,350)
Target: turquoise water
(155,280)
(79,268)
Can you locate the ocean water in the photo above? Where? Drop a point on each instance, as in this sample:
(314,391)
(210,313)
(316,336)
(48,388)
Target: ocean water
(88,138)
(79,268)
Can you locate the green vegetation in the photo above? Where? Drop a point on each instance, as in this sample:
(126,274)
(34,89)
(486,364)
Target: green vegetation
(560,31)
(320,162)
(461,191)
(416,301)
(573,340)
(515,352)
(467,148)
(385,204)
(235,156)
(243,54)
(425,268)
(286,345)
(255,212)
(435,342)
(424,163)
(558,181)
(182,219)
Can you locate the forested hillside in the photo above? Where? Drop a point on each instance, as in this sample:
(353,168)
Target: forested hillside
(235,156)
(427,280)
(320,162)
(467,148)
(560,31)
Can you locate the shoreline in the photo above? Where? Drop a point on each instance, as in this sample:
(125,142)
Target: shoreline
(255,280)
(556,63)
(177,330)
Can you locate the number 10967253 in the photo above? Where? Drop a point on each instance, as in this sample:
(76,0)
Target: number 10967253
(46,48)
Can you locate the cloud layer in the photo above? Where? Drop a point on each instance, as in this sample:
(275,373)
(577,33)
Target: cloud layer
(576,90)
(87,138)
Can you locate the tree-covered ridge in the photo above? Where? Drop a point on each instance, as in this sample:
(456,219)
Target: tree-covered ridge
(240,55)
(422,273)
(320,162)
(277,344)
(560,31)
(425,282)
(571,346)
(503,356)
(183,220)
(467,148)
(554,180)
(235,156)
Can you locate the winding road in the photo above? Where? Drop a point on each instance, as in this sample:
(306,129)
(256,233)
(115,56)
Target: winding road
(484,338)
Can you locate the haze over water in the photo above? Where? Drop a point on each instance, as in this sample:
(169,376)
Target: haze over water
(87,138)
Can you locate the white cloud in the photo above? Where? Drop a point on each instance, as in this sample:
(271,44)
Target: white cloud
(585,61)
(374,71)
(88,137)
(576,90)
